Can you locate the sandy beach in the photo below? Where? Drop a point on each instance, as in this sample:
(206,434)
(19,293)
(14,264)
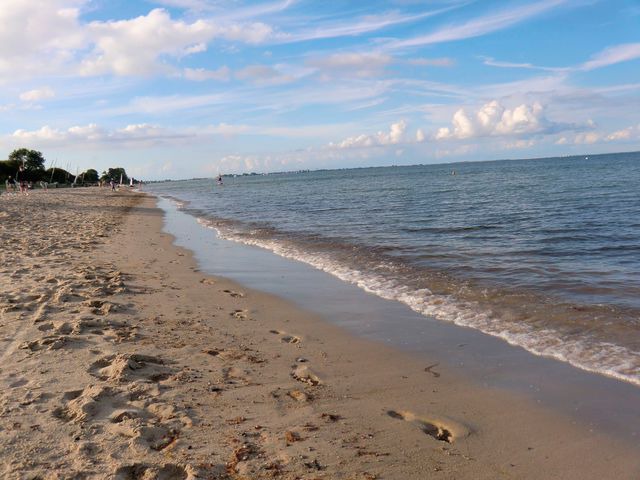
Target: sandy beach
(120,359)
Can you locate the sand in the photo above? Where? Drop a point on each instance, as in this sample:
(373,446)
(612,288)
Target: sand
(119,359)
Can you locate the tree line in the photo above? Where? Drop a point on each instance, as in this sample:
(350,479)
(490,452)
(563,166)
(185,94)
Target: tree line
(34,165)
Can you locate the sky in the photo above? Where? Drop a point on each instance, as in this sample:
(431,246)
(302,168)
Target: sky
(193,88)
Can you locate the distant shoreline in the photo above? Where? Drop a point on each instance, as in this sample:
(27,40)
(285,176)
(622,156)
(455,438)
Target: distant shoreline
(460,162)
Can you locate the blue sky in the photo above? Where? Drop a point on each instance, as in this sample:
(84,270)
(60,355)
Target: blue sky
(191,88)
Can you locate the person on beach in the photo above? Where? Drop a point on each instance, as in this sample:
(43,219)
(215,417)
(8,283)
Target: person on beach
(113,185)
(22,180)
(10,184)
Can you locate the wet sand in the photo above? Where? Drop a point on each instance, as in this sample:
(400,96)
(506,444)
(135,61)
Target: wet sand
(120,359)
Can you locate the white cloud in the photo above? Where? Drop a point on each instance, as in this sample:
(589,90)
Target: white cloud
(133,47)
(432,62)
(455,152)
(609,56)
(237,163)
(587,138)
(420,136)
(528,66)
(94,134)
(613,55)
(518,144)
(493,119)
(394,136)
(235,13)
(353,64)
(37,94)
(225,129)
(170,103)
(253,33)
(222,74)
(628,133)
(480,26)
(624,134)
(145,134)
(272,74)
(38,36)
(356,27)
(47,37)
(91,132)
(45,133)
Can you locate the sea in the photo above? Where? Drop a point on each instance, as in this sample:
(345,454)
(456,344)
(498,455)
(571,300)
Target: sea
(542,253)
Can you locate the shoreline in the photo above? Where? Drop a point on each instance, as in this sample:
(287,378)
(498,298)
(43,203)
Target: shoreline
(599,401)
(148,368)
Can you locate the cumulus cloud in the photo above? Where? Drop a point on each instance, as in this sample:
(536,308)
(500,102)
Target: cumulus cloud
(392,137)
(38,36)
(631,133)
(628,133)
(45,133)
(236,163)
(138,134)
(133,47)
(93,134)
(493,119)
(47,36)
(37,94)
(587,138)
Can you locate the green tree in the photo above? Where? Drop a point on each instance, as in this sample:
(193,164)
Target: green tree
(114,174)
(90,176)
(58,175)
(8,168)
(32,159)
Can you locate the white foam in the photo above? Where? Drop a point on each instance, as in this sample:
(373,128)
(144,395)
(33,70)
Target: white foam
(582,352)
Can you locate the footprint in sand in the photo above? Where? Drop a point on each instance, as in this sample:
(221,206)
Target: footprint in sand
(285,337)
(51,342)
(128,367)
(146,437)
(99,307)
(440,428)
(235,376)
(112,330)
(240,314)
(141,471)
(94,401)
(152,426)
(299,396)
(304,374)
(234,294)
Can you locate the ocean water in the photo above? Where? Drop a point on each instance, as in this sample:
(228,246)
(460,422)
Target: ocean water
(544,253)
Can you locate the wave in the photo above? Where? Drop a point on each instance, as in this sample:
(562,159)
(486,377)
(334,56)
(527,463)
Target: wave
(578,349)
